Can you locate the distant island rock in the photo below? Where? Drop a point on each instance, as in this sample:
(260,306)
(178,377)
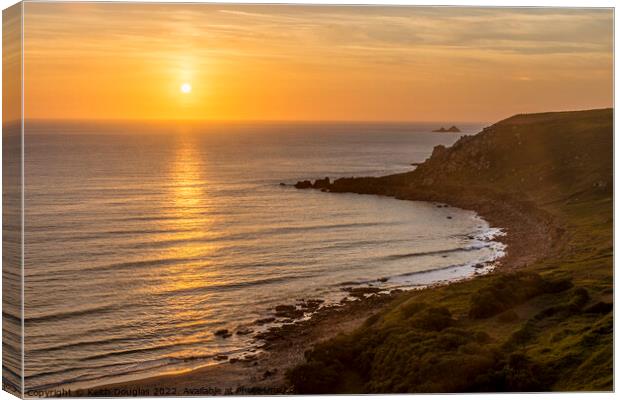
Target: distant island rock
(451,129)
(322,184)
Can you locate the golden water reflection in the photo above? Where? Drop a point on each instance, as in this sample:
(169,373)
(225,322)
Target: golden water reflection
(189,216)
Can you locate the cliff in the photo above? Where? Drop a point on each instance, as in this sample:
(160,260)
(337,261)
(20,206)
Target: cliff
(544,320)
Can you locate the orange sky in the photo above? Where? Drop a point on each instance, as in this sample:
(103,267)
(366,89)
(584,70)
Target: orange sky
(118,61)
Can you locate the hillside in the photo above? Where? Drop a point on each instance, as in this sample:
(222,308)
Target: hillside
(544,320)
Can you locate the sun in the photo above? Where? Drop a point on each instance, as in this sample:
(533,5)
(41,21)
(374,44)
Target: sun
(186,88)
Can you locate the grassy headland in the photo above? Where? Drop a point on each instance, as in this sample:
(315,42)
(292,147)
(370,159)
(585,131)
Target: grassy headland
(542,322)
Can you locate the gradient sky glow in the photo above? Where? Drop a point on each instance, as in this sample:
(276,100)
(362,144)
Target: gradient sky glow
(253,62)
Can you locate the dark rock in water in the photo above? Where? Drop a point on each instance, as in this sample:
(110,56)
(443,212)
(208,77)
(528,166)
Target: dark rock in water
(264,321)
(221,358)
(478,266)
(244,331)
(288,311)
(382,280)
(321,183)
(282,184)
(223,333)
(361,292)
(451,129)
(310,305)
(271,335)
(284,308)
(303,184)
(416,164)
(449,217)
(233,360)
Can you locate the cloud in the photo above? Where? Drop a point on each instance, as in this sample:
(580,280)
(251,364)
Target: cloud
(293,30)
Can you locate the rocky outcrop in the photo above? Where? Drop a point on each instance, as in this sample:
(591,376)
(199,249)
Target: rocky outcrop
(321,183)
(223,333)
(318,184)
(452,129)
(288,311)
(303,185)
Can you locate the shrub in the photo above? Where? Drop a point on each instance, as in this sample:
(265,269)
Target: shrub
(373,319)
(600,308)
(508,316)
(434,319)
(579,298)
(515,373)
(409,309)
(509,290)
(315,377)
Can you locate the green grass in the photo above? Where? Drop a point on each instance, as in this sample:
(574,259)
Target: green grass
(547,327)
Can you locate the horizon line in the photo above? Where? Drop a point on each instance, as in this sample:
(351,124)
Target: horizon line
(240,121)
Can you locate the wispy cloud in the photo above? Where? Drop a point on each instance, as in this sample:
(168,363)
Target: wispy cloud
(358,44)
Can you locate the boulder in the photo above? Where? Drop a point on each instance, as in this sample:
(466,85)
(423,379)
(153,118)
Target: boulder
(310,305)
(322,183)
(244,331)
(288,311)
(264,321)
(303,184)
(223,333)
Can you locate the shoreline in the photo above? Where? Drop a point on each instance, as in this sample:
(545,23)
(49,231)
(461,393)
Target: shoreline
(530,234)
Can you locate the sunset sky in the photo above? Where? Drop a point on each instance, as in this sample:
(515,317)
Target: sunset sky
(120,61)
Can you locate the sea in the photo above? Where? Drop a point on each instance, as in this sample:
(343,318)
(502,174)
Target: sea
(142,239)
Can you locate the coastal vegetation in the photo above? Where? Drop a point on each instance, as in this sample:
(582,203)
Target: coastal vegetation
(544,320)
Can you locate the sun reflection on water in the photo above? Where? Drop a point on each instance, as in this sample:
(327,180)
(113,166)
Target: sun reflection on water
(189,216)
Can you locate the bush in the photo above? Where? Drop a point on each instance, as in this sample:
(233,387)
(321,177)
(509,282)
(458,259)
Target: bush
(509,290)
(434,319)
(579,298)
(516,373)
(315,377)
(409,309)
(508,316)
(600,308)
(373,319)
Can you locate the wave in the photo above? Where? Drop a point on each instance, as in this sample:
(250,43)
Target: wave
(88,374)
(430,270)
(69,314)
(238,285)
(231,237)
(435,252)
(68,346)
